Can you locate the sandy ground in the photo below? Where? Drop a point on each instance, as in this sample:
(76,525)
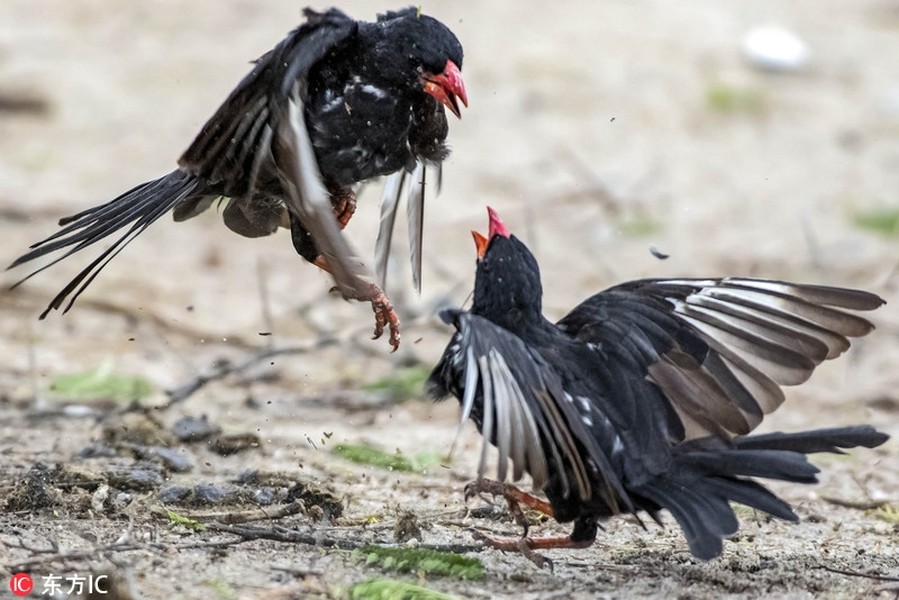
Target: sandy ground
(592,131)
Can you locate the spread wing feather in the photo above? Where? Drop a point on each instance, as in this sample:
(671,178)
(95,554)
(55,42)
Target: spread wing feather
(720,349)
(231,146)
(519,405)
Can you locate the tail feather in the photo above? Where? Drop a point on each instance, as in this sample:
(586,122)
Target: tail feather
(768,464)
(140,207)
(752,494)
(705,518)
(702,481)
(818,440)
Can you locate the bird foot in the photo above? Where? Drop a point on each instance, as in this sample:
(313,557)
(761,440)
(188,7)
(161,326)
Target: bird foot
(344,202)
(385,316)
(528,546)
(521,545)
(512,495)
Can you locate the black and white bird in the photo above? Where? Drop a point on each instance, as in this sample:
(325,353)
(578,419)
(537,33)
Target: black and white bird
(643,397)
(370,98)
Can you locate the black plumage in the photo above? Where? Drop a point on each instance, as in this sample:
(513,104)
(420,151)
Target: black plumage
(372,99)
(643,396)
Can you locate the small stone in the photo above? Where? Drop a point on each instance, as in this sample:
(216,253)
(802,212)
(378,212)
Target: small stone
(193,429)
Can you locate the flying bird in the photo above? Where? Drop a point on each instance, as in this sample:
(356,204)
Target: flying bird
(642,398)
(337,102)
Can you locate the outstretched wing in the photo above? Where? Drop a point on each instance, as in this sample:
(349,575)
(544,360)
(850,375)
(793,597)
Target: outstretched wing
(234,142)
(518,403)
(720,349)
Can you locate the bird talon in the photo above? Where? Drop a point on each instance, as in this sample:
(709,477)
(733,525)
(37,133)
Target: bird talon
(344,206)
(523,545)
(484,486)
(385,316)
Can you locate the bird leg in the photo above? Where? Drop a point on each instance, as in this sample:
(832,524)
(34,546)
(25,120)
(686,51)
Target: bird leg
(344,201)
(385,315)
(582,536)
(512,495)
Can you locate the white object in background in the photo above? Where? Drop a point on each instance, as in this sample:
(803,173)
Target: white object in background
(774,48)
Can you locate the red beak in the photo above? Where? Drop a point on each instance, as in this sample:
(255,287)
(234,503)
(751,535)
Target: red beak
(447,87)
(480,243)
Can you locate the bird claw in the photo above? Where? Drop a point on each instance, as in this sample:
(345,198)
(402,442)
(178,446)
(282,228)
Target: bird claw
(522,545)
(344,203)
(484,486)
(385,316)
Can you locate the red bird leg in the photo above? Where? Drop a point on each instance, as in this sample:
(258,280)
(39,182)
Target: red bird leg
(344,201)
(527,546)
(582,536)
(512,494)
(385,315)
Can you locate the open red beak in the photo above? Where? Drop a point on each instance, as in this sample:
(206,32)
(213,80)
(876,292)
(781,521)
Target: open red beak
(447,87)
(497,227)
(480,243)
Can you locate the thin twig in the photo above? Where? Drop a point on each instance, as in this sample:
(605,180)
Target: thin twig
(856,504)
(221,371)
(256,514)
(857,573)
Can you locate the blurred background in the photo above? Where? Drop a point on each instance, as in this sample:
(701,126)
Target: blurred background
(754,139)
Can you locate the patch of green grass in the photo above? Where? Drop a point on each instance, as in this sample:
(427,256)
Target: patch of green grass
(727,98)
(888,513)
(402,384)
(422,560)
(638,226)
(100,384)
(884,221)
(365,454)
(191,524)
(222,589)
(390,589)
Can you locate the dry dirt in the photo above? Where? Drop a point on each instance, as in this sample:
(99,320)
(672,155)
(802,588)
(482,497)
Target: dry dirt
(592,130)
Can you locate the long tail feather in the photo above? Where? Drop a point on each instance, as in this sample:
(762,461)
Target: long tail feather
(138,207)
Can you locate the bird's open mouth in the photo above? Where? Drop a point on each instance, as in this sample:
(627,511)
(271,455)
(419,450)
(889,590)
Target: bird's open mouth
(447,87)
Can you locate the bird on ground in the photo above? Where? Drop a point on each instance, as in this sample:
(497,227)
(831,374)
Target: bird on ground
(337,102)
(642,398)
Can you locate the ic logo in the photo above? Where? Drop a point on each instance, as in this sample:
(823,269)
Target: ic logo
(21,584)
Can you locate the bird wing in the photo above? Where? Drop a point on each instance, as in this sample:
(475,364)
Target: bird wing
(309,200)
(520,406)
(235,140)
(719,349)
(263,117)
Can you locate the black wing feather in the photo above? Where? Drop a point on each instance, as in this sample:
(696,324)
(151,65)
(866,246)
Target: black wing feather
(227,149)
(720,349)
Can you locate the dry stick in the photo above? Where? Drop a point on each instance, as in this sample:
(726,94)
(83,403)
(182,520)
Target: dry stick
(220,371)
(857,573)
(53,554)
(279,534)
(256,514)
(858,505)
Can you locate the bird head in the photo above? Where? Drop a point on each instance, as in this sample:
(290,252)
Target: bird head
(507,283)
(424,54)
